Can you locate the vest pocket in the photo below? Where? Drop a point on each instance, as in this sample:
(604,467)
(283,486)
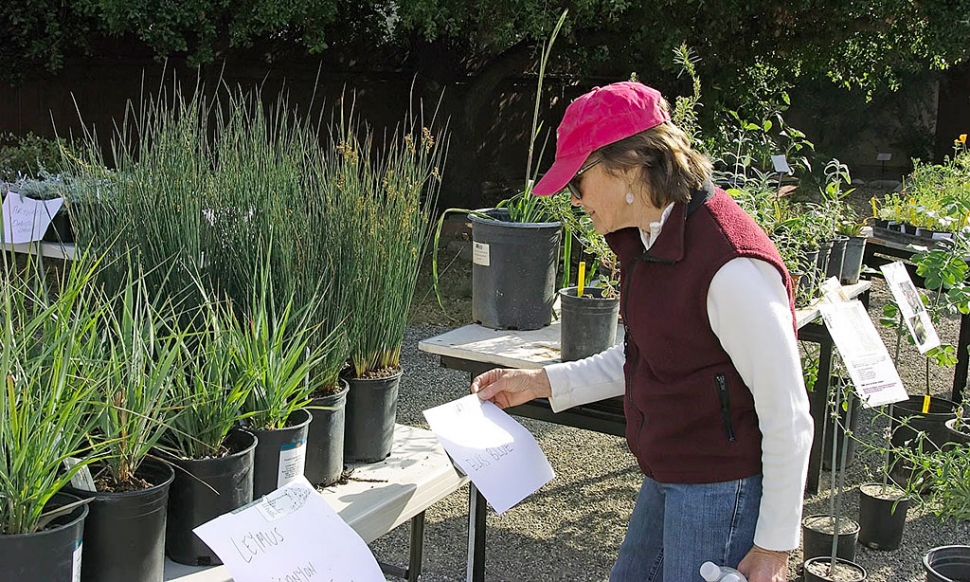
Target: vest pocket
(720,381)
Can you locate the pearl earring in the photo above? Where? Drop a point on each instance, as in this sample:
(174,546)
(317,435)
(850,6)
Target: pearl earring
(629,197)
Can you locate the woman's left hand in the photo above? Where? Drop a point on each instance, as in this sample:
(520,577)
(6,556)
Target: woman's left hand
(761,565)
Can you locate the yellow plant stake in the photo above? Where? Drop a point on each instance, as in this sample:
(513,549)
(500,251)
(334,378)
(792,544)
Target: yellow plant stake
(582,278)
(926,403)
(875,213)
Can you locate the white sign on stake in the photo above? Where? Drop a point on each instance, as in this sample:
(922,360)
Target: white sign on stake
(497,453)
(290,534)
(781,164)
(911,306)
(872,371)
(25,219)
(883,157)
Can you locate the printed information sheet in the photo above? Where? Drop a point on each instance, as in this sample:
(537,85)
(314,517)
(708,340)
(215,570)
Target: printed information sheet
(911,306)
(497,453)
(872,370)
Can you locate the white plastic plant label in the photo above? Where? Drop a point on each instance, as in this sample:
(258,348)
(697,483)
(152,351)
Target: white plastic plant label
(292,462)
(480,254)
(76,562)
(82,479)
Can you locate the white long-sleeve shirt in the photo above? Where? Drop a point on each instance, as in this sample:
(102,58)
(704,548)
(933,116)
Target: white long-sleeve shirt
(747,306)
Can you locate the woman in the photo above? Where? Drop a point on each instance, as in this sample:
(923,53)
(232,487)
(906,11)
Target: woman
(716,410)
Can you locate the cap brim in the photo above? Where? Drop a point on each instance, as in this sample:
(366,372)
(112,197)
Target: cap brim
(561,172)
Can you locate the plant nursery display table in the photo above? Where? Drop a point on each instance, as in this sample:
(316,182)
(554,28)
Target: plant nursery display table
(377,498)
(476,349)
(880,251)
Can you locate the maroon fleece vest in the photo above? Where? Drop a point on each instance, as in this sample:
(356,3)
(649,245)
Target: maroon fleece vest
(690,417)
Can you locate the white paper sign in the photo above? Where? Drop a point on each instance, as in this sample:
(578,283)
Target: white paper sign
(781,164)
(883,157)
(872,371)
(497,453)
(292,534)
(25,219)
(911,306)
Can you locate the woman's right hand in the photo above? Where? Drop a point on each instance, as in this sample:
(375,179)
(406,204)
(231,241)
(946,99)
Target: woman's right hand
(507,388)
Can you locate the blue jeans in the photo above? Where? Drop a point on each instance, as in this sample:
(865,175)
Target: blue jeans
(676,528)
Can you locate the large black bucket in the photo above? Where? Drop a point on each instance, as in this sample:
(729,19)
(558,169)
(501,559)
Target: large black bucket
(513,271)
(371,414)
(947,564)
(325,437)
(51,554)
(124,533)
(587,324)
(280,454)
(203,490)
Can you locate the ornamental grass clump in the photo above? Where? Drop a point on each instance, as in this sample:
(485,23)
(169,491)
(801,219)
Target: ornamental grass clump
(48,403)
(384,195)
(140,355)
(211,395)
(274,351)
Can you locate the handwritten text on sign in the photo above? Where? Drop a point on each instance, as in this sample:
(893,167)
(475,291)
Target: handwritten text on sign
(25,219)
(290,535)
(497,453)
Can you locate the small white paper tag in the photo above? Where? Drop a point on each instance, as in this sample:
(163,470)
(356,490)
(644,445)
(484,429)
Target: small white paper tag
(480,254)
(76,562)
(883,157)
(82,479)
(292,462)
(781,164)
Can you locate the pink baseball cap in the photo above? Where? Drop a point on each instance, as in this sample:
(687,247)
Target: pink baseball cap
(598,118)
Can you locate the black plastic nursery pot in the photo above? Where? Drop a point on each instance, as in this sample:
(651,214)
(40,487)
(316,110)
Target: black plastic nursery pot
(852,260)
(513,271)
(280,454)
(836,257)
(933,423)
(53,553)
(587,324)
(947,564)
(822,262)
(816,570)
(882,516)
(124,533)
(817,532)
(958,437)
(371,414)
(203,490)
(325,437)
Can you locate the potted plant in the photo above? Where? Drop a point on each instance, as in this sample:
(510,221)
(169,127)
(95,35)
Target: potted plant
(275,353)
(828,541)
(512,289)
(47,408)
(882,505)
(589,310)
(386,200)
(124,533)
(213,458)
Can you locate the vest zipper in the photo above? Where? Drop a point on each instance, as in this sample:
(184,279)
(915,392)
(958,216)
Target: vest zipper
(725,398)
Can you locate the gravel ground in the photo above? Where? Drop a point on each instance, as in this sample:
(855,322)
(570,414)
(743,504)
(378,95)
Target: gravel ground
(571,528)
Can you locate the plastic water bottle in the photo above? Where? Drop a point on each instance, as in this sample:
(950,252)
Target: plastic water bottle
(711,572)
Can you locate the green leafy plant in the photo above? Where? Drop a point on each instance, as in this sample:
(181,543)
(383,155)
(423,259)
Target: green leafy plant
(141,357)
(274,353)
(211,395)
(49,401)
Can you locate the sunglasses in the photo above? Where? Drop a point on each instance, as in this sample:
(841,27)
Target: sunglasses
(573,185)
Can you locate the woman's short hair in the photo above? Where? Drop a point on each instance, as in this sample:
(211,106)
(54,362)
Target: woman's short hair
(670,168)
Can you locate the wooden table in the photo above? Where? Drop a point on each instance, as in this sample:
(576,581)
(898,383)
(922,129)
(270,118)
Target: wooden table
(476,349)
(378,498)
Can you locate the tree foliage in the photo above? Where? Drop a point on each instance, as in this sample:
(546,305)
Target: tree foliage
(857,43)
